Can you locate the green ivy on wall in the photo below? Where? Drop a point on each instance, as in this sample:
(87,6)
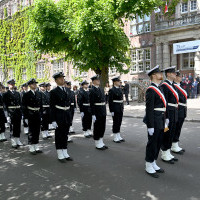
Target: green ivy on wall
(16,52)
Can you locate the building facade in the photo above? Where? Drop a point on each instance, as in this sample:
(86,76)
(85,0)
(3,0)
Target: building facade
(151,38)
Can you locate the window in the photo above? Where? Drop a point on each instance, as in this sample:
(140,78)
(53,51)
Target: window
(184,7)
(11,73)
(188,60)
(134,92)
(140,60)
(140,25)
(193,5)
(24,76)
(112,71)
(40,70)
(13,8)
(58,66)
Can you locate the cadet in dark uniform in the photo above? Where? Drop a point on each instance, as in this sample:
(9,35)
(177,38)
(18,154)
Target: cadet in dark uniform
(126,92)
(12,101)
(172,99)
(45,111)
(155,121)
(3,119)
(116,108)
(24,90)
(32,110)
(60,116)
(98,108)
(84,105)
(72,106)
(182,113)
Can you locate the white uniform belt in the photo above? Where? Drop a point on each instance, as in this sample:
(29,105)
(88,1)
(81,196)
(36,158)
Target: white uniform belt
(62,108)
(72,104)
(45,106)
(86,104)
(173,105)
(13,107)
(34,109)
(118,101)
(100,104)
(160,109)
(183,104)
(1,107)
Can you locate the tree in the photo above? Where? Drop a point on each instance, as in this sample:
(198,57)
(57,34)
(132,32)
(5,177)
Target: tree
(89,32)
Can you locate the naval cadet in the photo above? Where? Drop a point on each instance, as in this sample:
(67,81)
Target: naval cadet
(116,108)
(98,108)
(155,121)
(60,116)
(182,113)
(172,99)
(32,110)
(45,111)
(2,117)
(85,110)
(12,101)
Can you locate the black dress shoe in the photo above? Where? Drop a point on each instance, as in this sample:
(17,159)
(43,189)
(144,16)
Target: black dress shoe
(62,160)
(69,159)
(3,140)
(88,136)
(160,171)
(180,152)
(49,136)
(71,141)
(106,147)
(123,140)
(116,141)
(39,151)
(154,175)
(102,148)
(175,159)
(44,138)
(168,161)
(14,146)
(33,152)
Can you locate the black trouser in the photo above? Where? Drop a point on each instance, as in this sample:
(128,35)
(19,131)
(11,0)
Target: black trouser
(2,127)
(99,127)
(61,135)
(117,121)
(45,122)
(16,117)
(168,136)
(107,96)
(72,114)
(179,125)
(153,145)
(34,122)
(87,121)
(126,96)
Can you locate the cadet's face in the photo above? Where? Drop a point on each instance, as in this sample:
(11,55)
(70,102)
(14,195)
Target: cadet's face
(96,82)
(49,87)
(11,86)
(85,86)
(43,88)
(178,79)
(172,75)
(159,76)
(33,86)
(60,81)
(117,83)
(25,88)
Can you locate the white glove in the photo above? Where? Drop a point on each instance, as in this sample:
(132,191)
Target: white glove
(167,122)
(54,124)
(112,114)
(8,120)
(151,131)
(26,120)
(82,114)
(94,118)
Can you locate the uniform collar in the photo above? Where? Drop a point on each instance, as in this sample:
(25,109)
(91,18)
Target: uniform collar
(169,81)
(155,84)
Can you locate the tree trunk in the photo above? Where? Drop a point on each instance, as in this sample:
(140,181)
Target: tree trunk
(103,73)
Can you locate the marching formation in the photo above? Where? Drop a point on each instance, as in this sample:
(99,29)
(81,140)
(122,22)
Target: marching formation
(41,109)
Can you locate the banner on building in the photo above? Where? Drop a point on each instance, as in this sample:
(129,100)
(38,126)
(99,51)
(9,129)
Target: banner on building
(186,47)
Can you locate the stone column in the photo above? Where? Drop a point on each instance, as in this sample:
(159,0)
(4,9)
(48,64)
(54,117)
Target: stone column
(159,54)
(197,63)
(166,55)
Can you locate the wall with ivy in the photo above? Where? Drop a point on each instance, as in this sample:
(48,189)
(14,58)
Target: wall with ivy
(15,50)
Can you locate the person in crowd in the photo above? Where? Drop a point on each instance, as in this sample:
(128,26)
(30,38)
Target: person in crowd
(194,88)
(190,77)
(187,85)
(106,90)
(126,91)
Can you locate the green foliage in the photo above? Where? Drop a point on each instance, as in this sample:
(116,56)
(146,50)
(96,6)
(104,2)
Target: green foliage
(89,32)
(15,50)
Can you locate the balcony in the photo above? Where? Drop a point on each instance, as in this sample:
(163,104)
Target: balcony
(176,23)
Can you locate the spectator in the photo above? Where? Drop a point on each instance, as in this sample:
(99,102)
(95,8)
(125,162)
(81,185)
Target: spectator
(194,88)
(190,77)
(187,86)
(126,91)
(183,77)
(106,90)
(75,89)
